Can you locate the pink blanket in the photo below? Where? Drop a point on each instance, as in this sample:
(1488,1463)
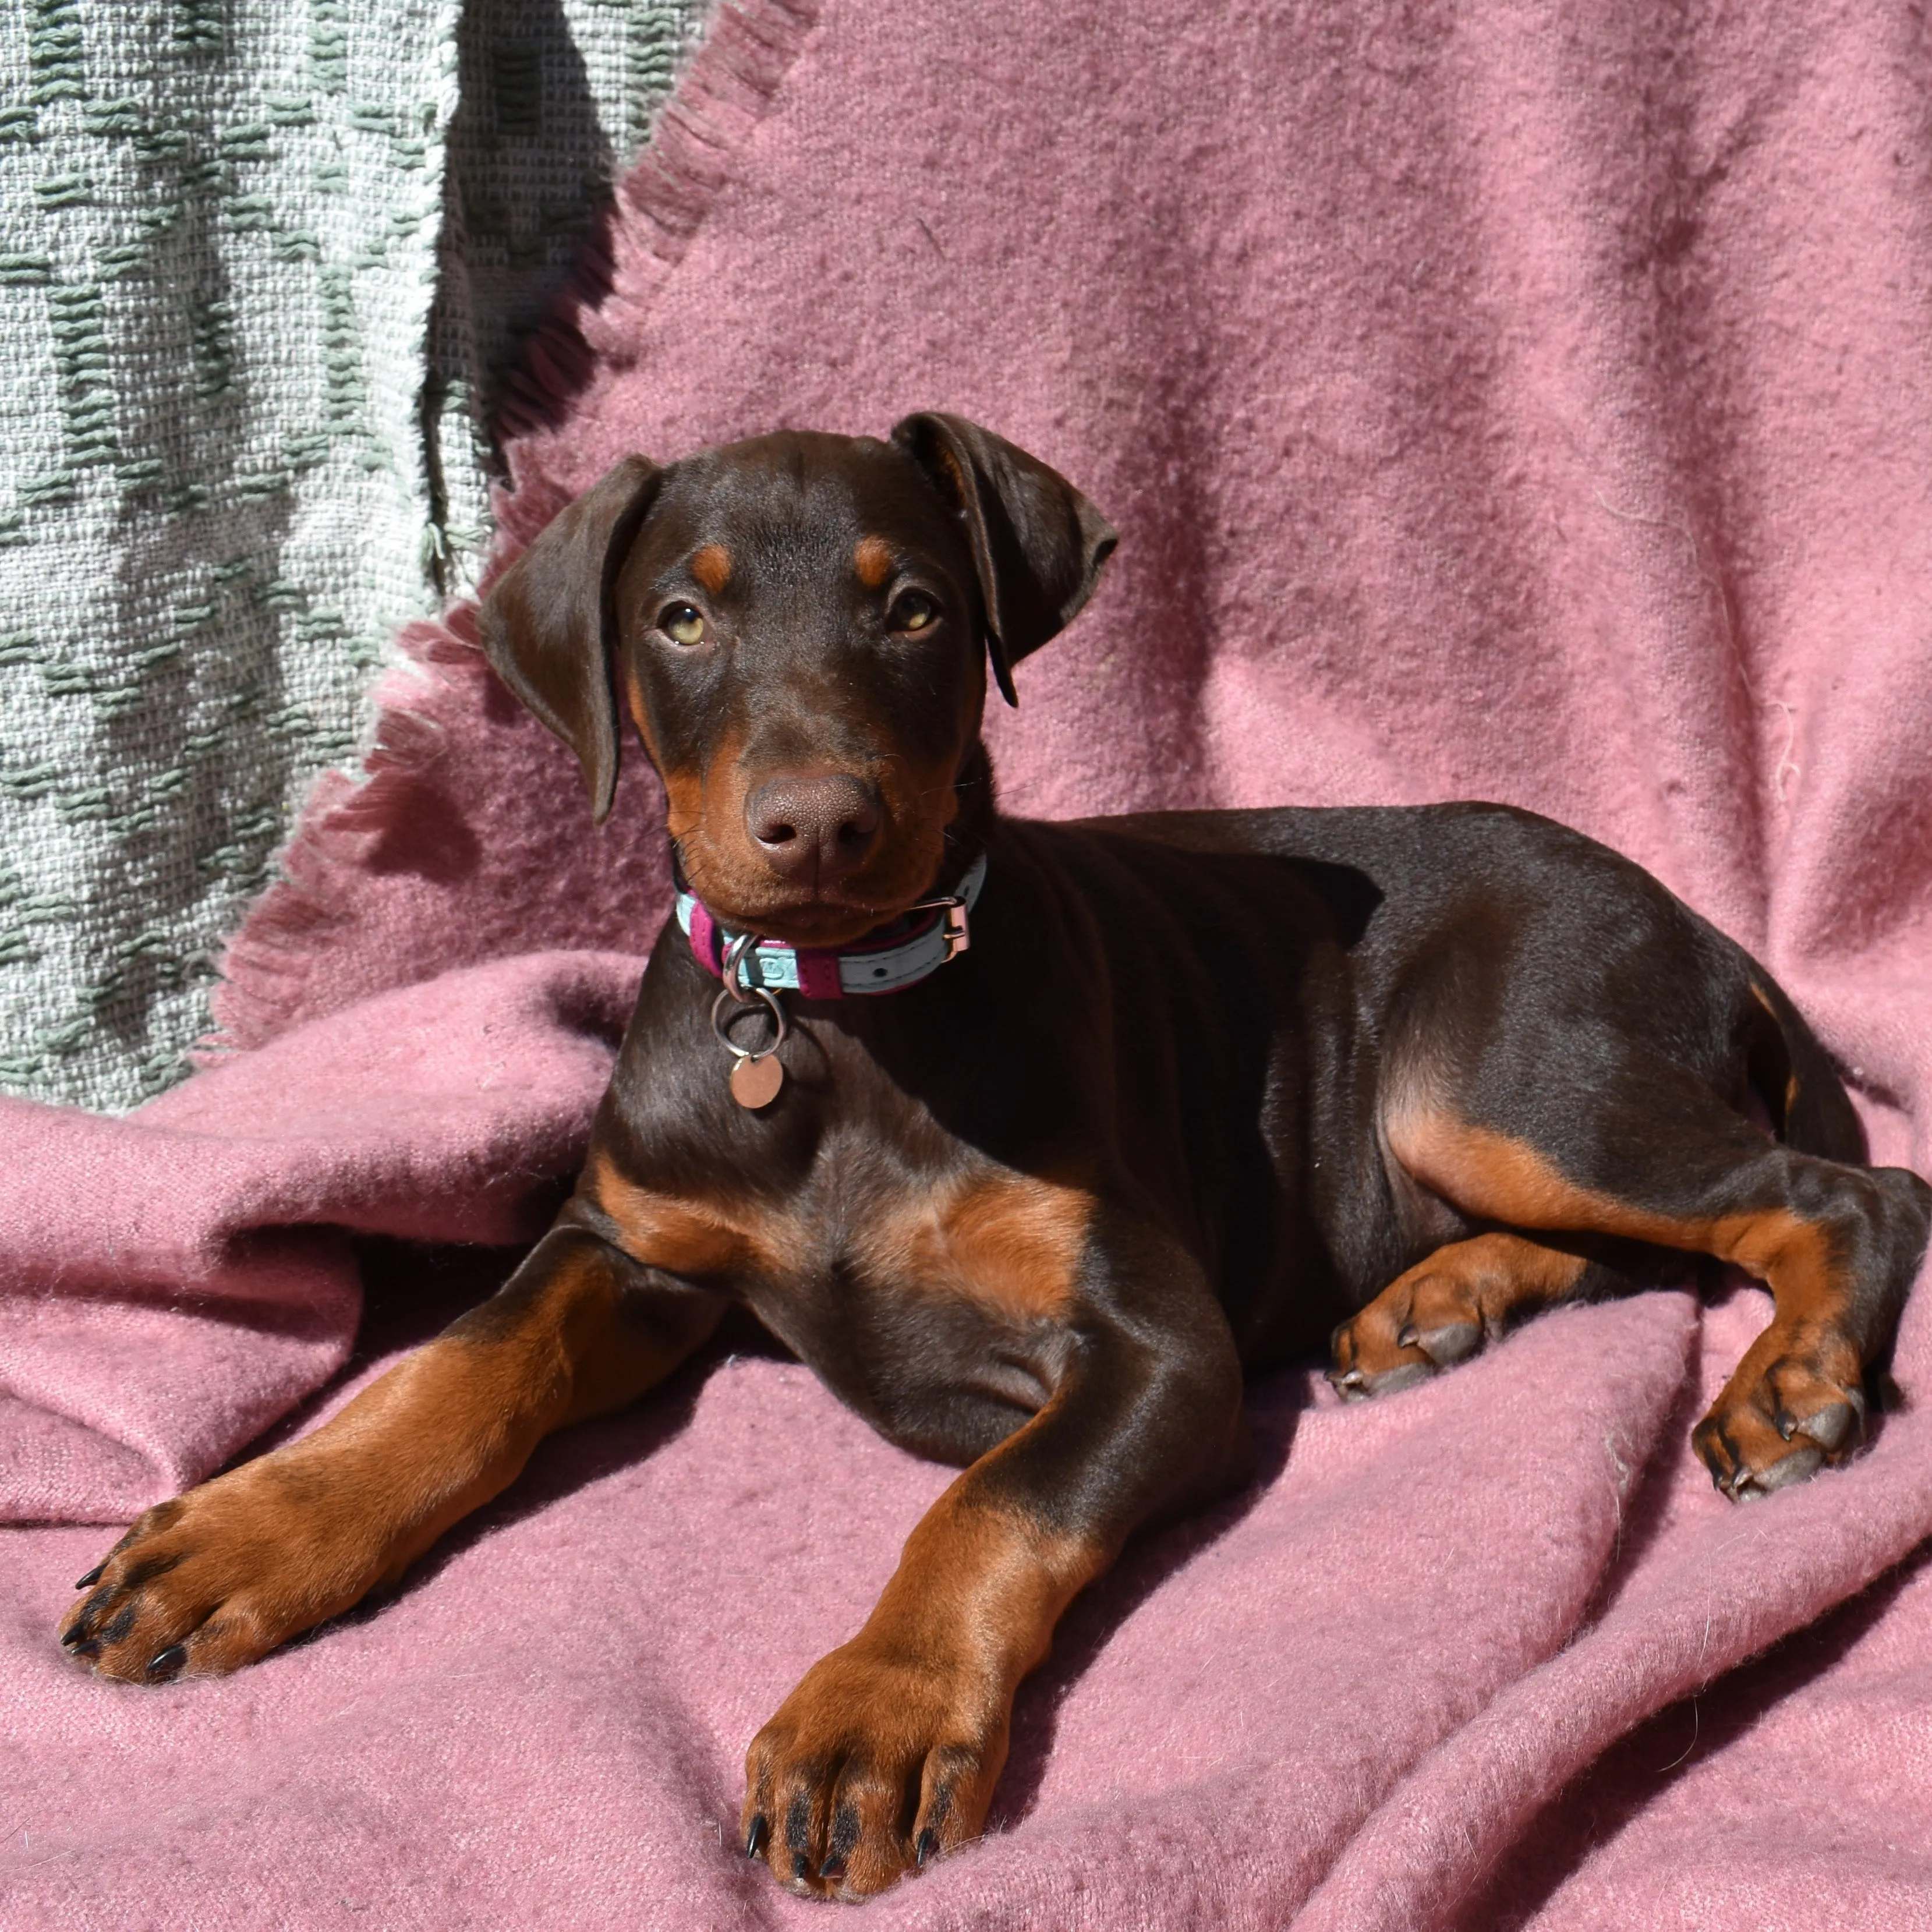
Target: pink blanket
(1528,401)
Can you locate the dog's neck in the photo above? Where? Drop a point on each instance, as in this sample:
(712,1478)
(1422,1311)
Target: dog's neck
(910,947)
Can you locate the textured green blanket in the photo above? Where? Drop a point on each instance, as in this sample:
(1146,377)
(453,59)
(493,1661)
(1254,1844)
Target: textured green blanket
(258,261)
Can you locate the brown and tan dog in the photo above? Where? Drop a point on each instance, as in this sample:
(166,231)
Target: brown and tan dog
(1197,1090)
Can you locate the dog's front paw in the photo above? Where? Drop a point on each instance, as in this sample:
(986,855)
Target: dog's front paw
(873,1767)
(214,1579)
(1794,1406)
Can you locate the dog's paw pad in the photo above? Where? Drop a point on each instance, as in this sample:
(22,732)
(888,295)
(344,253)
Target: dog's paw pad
(1448,1343)
(1837,1426)
(1800,1466)
(1358,1385)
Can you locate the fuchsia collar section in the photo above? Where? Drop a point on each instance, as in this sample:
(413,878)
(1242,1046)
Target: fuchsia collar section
(909,950)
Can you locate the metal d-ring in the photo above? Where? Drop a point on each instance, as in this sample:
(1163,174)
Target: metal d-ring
(722,1020)
(733,966)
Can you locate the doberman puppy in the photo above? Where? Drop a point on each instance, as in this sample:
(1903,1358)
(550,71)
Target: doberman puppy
(1033,1139)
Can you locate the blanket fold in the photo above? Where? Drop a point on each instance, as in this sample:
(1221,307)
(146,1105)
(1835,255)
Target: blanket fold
(208,1287)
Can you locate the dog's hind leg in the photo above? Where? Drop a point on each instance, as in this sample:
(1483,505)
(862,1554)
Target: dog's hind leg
(1655,1156)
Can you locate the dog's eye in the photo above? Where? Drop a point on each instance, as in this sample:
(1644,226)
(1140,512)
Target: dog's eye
(683,623)
(914,611)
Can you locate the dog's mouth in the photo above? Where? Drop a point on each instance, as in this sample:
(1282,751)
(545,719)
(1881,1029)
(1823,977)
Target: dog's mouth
(816,923)
(826,915)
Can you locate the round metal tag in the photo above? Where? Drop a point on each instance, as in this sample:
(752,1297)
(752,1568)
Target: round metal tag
(755,1083)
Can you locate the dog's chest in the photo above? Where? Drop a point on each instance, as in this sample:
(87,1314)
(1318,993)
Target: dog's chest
(875,1239)
(916,1287)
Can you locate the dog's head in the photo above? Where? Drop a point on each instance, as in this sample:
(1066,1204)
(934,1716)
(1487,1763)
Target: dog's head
(799,627)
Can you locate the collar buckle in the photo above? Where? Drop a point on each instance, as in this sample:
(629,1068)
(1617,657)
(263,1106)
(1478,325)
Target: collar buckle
(958,932)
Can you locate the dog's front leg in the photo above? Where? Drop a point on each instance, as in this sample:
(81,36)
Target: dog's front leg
(220,1577)
(887,1753)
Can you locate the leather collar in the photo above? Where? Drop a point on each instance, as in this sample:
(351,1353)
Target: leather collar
(885,961)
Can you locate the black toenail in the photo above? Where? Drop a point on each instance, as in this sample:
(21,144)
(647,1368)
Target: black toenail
(1406,1340)
(801,1865)
(1787,1424)
(928,1847)
(833,1868)
(93,1576)
(754,1839)
(170,1661)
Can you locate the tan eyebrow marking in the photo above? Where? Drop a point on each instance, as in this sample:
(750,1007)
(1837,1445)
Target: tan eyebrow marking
(711,567)
(873,560)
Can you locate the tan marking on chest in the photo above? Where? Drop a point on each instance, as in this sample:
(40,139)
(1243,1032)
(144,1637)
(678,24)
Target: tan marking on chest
(872,559)
(1011,1241)
(711,567)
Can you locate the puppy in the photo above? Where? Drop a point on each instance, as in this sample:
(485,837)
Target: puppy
(1034,1140)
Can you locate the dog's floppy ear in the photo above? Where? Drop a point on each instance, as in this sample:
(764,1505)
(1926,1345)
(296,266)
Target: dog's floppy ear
(549,624)
(1038,544)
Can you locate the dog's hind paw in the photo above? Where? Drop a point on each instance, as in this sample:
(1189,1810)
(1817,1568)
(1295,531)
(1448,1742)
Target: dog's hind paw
(1416,1327)
(1789,1411)
(1445,1309)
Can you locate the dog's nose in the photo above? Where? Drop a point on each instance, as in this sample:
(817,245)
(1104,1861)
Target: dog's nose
(819,829)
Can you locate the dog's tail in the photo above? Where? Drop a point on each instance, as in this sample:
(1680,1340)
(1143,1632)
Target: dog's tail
(1809,1110)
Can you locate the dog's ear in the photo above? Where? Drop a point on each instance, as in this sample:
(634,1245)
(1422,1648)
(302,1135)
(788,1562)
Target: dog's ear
(1038,544)
(549,624)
